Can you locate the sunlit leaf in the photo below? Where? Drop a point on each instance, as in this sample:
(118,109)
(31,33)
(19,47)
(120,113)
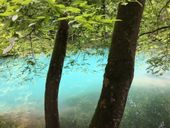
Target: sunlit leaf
(32,24)
(40,17)
(3,2)
(51,1)
(73,9)
(14,18)
(65,18)
(25,2)
(7,13)
(61,6)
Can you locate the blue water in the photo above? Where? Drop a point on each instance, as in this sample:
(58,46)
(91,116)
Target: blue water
(22,91)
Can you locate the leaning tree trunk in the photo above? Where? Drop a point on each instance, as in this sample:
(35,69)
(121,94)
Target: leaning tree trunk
(54,76)
(120,67)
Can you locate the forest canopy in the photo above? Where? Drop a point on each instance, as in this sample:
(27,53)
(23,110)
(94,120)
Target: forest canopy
(28,27)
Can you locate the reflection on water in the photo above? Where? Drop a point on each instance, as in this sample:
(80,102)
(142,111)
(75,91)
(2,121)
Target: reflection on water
(22,91)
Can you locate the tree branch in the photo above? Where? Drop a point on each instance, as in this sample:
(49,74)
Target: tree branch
(163,8)
(153,31)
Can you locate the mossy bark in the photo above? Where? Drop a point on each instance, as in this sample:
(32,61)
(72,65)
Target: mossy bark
(119,70)
(54,76)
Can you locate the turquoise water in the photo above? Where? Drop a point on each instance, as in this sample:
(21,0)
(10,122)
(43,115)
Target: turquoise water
(22,92)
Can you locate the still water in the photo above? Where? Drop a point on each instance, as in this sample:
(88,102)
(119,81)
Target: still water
(22,87)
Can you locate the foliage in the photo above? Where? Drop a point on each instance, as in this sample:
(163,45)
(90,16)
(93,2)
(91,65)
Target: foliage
(37,20)
(155,35)
(29,26)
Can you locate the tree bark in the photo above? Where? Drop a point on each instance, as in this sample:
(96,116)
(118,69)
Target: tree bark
(119,70)
(54,76)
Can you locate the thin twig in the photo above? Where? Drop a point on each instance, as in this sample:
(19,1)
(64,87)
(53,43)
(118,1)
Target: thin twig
(163,8)
(156,30)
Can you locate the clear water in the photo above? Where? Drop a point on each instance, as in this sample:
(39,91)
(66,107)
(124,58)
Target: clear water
(22,93)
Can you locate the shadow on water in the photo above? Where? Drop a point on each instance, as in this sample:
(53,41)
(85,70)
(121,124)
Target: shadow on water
(22,91)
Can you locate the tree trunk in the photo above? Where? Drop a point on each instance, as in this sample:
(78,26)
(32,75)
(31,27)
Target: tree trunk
(120,67)
(54,76)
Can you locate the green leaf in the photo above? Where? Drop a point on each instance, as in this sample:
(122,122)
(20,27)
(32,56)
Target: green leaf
(65,18)
(22,2)
(84,5)
(7,13)
(61,6)
(109,21)
(25,2)
(3,2)
(51,1)
(73,9)
(80,19)
(1,24)
(88,26)
(40,17)
(32,24)
(88,14)
(77,2)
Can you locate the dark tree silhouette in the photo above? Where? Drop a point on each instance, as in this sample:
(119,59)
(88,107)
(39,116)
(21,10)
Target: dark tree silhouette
(119,70)
(54,76)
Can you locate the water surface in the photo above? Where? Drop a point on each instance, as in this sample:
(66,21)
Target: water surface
(22,93)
